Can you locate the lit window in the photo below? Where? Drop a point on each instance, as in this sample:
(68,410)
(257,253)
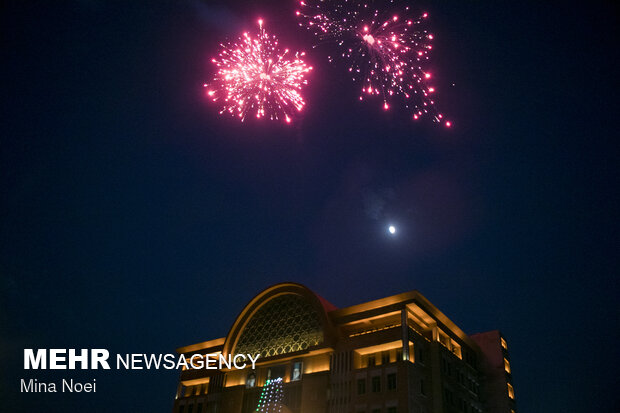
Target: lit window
(504,344)
(511,391)
(507,366)
(296,372)
(250,381)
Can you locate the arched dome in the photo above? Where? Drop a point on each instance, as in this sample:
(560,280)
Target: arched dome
(285,318)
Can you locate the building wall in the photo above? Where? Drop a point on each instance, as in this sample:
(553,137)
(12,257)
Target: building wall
(498,388)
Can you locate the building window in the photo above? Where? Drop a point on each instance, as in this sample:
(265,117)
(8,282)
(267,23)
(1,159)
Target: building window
(385,357)
(276,372)
(199,408)
(371,360)
(507,366)
(391,381)
(376,384)
(504,344)
(511,391)
(251,380)
(296,372)
(361,386)
(181,409)
(190,408)
(376,410)
(422,388)
(399,354)
(448,396)
(392,409)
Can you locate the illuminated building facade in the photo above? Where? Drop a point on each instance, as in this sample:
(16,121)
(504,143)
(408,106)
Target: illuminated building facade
(398,354)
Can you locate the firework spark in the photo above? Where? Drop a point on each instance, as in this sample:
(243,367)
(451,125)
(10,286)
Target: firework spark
(255,76)
(385,52)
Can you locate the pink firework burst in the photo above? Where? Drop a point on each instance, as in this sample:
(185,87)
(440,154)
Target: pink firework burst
(385,52)
(256,77)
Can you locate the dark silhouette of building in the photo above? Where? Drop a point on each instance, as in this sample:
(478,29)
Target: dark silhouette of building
(398,354)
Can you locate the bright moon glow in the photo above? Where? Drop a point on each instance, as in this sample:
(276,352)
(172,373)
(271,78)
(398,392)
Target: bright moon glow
(392,229)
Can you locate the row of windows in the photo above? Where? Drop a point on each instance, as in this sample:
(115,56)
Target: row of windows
(394,355)
(381,358)
(296,370)
(375,383)
(461,404)
(214,385)
(507,369)
(461,377)
(190,408)
(197,408)
(196,390)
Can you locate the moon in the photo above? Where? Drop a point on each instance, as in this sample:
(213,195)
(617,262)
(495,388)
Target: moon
(392,229)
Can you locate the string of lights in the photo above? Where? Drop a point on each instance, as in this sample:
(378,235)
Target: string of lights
(271,397)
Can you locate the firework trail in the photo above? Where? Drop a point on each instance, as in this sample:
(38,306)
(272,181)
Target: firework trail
(385,52)
(255,76)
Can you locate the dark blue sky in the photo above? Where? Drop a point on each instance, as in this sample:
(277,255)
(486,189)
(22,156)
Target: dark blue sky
(135,218)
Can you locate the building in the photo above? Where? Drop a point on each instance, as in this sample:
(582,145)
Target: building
(398,354)
(496,372)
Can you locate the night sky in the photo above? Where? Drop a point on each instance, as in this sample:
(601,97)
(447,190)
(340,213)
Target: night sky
(135,218)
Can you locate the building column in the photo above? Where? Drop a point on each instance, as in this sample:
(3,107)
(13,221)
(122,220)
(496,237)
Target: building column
(404,333)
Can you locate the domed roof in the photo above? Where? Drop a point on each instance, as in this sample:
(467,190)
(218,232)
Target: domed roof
(285,318)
